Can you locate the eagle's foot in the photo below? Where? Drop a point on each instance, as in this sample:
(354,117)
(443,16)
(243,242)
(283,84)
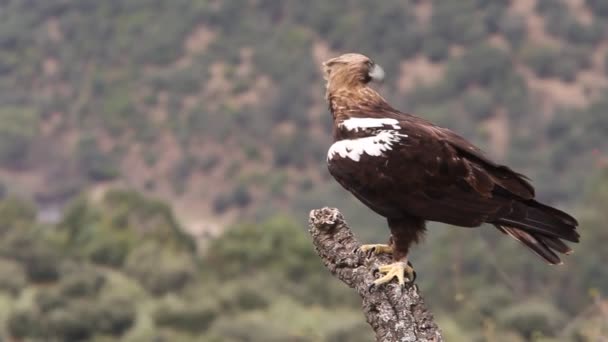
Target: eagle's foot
(376,248)
(402,270)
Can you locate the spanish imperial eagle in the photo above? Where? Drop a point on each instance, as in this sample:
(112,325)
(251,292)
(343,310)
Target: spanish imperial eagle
(411,171)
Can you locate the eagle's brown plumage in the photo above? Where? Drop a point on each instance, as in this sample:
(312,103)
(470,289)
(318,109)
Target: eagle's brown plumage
(411,171)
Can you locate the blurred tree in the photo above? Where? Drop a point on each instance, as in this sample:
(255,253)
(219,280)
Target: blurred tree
(97,165)
(598,6)
(160,271)
(108,232)
(18,128)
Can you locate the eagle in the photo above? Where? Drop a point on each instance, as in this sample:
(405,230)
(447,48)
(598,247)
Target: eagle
(411,171)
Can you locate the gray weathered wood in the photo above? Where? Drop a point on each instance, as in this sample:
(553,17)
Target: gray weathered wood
(396,314)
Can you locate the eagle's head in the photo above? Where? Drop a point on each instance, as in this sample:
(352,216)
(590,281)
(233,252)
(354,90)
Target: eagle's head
(351,70)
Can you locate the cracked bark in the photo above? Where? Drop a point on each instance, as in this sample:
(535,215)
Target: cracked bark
(394,313)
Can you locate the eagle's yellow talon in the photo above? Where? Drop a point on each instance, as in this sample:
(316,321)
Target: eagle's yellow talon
(377,248)
(400,269)
(386,268)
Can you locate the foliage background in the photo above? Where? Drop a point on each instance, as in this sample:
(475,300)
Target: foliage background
(158,161)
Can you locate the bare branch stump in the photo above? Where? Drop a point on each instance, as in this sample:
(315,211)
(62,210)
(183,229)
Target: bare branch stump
(396,314)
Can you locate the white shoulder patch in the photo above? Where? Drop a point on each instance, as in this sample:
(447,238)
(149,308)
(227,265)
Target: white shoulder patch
(354,124)
(373,146)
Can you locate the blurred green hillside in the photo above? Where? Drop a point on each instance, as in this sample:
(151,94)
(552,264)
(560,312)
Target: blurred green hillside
(212,112)
(218,106)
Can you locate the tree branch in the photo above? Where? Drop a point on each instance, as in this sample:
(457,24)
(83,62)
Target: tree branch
(394,313)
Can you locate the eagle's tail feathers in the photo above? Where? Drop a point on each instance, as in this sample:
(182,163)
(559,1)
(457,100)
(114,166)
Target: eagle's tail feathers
(543,246)
(556,244)
(558,214)
(540,219)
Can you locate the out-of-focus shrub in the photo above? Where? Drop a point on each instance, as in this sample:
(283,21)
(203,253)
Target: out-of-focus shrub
(18,127)
(532,317)
(108,231)
(114,315)
(193,318)
(13,279)
(98,166)
(482,65)
(75,322)
(598,7)
(479,104)
(513,27)
(239,197)
(16,214)
(548,62)
(436,49)
(456,22)
(86,283)
(24,324)
(160,271)
(48,300)
(39,259)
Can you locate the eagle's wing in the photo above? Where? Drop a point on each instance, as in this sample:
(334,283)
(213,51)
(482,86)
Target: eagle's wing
(502,176)
(536,225)
(483,174)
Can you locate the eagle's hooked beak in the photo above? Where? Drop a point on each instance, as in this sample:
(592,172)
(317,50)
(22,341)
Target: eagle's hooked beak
(376,73)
